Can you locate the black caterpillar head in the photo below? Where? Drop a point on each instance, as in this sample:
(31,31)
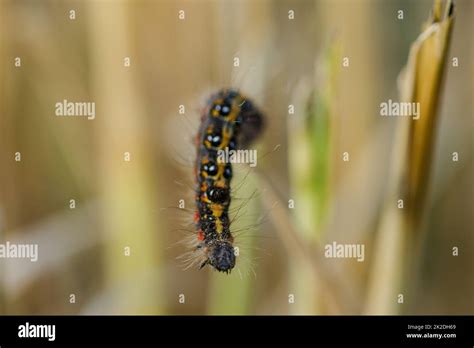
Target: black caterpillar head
(221,256)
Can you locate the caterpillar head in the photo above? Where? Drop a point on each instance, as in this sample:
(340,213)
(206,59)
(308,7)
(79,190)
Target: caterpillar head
(221,256)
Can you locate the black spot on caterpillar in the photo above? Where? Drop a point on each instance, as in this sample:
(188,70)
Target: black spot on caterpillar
(229,120)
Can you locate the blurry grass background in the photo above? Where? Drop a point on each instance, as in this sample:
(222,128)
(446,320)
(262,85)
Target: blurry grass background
(120,204)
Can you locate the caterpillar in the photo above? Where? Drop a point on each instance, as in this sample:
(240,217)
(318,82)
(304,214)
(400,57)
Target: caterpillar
(229,120)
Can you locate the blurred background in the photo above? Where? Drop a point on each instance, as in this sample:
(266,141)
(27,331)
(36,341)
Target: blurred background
(114,250)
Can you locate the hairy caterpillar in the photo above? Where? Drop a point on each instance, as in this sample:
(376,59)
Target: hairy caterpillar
(229,121)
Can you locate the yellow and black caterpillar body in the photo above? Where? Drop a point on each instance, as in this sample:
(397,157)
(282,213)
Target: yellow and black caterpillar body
(230,121)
